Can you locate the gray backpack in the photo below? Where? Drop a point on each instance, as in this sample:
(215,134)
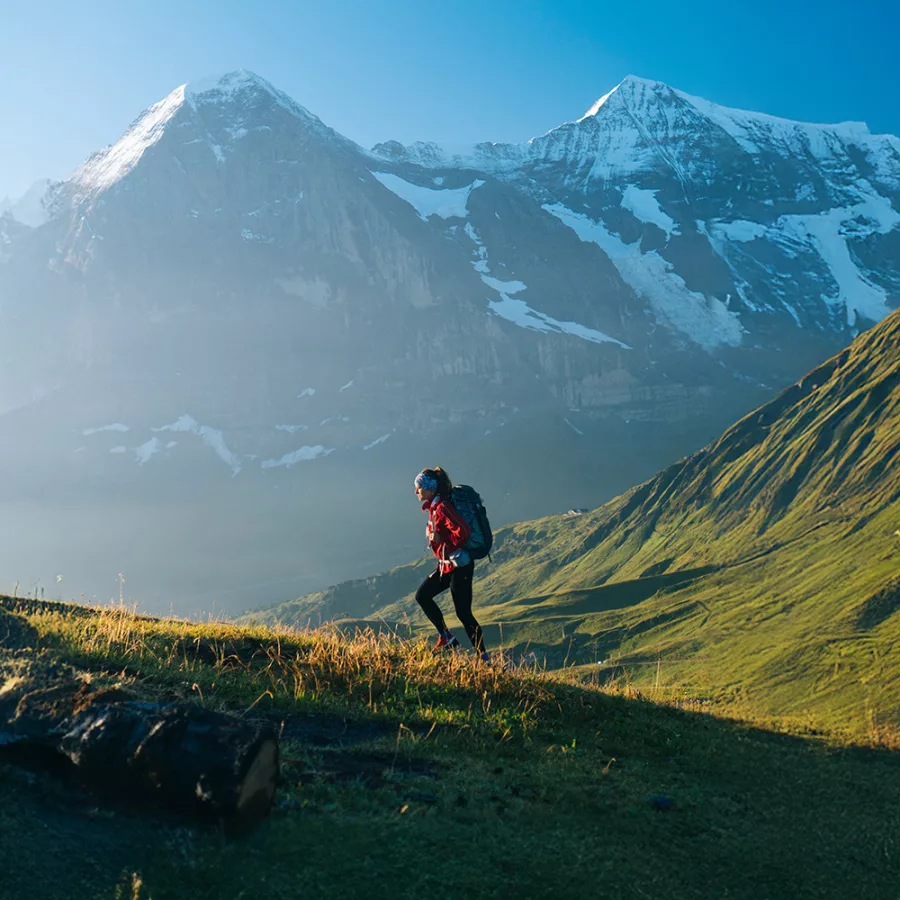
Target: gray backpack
(468,503)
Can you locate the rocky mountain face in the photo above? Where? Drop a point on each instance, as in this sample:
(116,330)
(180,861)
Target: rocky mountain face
(239,314)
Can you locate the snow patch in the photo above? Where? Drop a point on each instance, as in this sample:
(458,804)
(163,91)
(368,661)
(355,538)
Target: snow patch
(504,287)
(446,203)
(520,313)
(212,437)
(306,392)
(116,426)
(827,233)
(377,441)
(706,321)
(738,230)
(301,455)
(644,206)
(347,385)
(145,451)
(480,251)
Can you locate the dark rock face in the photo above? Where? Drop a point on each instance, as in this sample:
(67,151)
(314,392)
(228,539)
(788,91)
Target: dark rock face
(234,293)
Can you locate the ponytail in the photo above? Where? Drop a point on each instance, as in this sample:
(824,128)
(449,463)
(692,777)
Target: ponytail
(445,485)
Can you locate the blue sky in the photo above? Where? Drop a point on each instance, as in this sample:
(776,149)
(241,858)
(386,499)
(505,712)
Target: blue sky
(74,75)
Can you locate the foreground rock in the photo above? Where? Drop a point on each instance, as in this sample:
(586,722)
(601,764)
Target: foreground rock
(174,755)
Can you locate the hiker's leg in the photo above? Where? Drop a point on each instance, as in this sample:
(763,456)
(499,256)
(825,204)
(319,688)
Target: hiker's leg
(428,590)
(461,591)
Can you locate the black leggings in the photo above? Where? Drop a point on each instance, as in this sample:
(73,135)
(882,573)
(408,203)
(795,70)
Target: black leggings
(460,583)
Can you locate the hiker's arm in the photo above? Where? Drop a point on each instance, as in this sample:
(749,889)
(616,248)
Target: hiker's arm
(455,528)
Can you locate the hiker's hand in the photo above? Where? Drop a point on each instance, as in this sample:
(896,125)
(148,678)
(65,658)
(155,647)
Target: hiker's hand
(429,531)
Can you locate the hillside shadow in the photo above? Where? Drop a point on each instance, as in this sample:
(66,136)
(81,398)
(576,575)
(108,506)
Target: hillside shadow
(607,597)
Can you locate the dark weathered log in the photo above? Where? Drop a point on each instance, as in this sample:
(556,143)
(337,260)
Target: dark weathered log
(178,755)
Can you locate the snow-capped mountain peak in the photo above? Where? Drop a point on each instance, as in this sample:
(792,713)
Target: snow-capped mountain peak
(627,91)
(242,86)
(227,85)
(218,106)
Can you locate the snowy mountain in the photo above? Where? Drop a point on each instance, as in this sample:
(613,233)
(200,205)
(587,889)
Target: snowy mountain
(28,209)
(235,299)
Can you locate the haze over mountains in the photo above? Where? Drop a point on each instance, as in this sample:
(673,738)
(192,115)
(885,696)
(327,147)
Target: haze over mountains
(238,334)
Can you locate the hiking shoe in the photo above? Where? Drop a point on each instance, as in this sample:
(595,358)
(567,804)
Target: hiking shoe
(446,641)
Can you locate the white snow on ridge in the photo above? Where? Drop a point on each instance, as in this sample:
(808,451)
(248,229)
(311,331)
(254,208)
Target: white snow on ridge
(217,89)
(116,426)
(644,206)
(750,129)
(212,437)
(622,146)
(446,203)
(301,455)
(706,321)
(306,392)
(105,168)
(347,385)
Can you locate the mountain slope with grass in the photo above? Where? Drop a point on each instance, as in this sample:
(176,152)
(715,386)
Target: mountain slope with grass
(390,756)
(762,570)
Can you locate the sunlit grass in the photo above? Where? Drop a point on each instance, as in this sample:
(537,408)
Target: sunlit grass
(550,780)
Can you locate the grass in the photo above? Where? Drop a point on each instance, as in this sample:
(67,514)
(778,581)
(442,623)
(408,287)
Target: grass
(407,773)
(759,571)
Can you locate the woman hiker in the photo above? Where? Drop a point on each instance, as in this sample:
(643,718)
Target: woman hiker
(447,533)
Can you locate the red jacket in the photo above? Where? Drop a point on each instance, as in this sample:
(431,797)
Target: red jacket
(447,530)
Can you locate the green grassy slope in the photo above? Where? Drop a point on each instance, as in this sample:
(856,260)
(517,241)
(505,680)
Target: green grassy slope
(405,774)
(778,546)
